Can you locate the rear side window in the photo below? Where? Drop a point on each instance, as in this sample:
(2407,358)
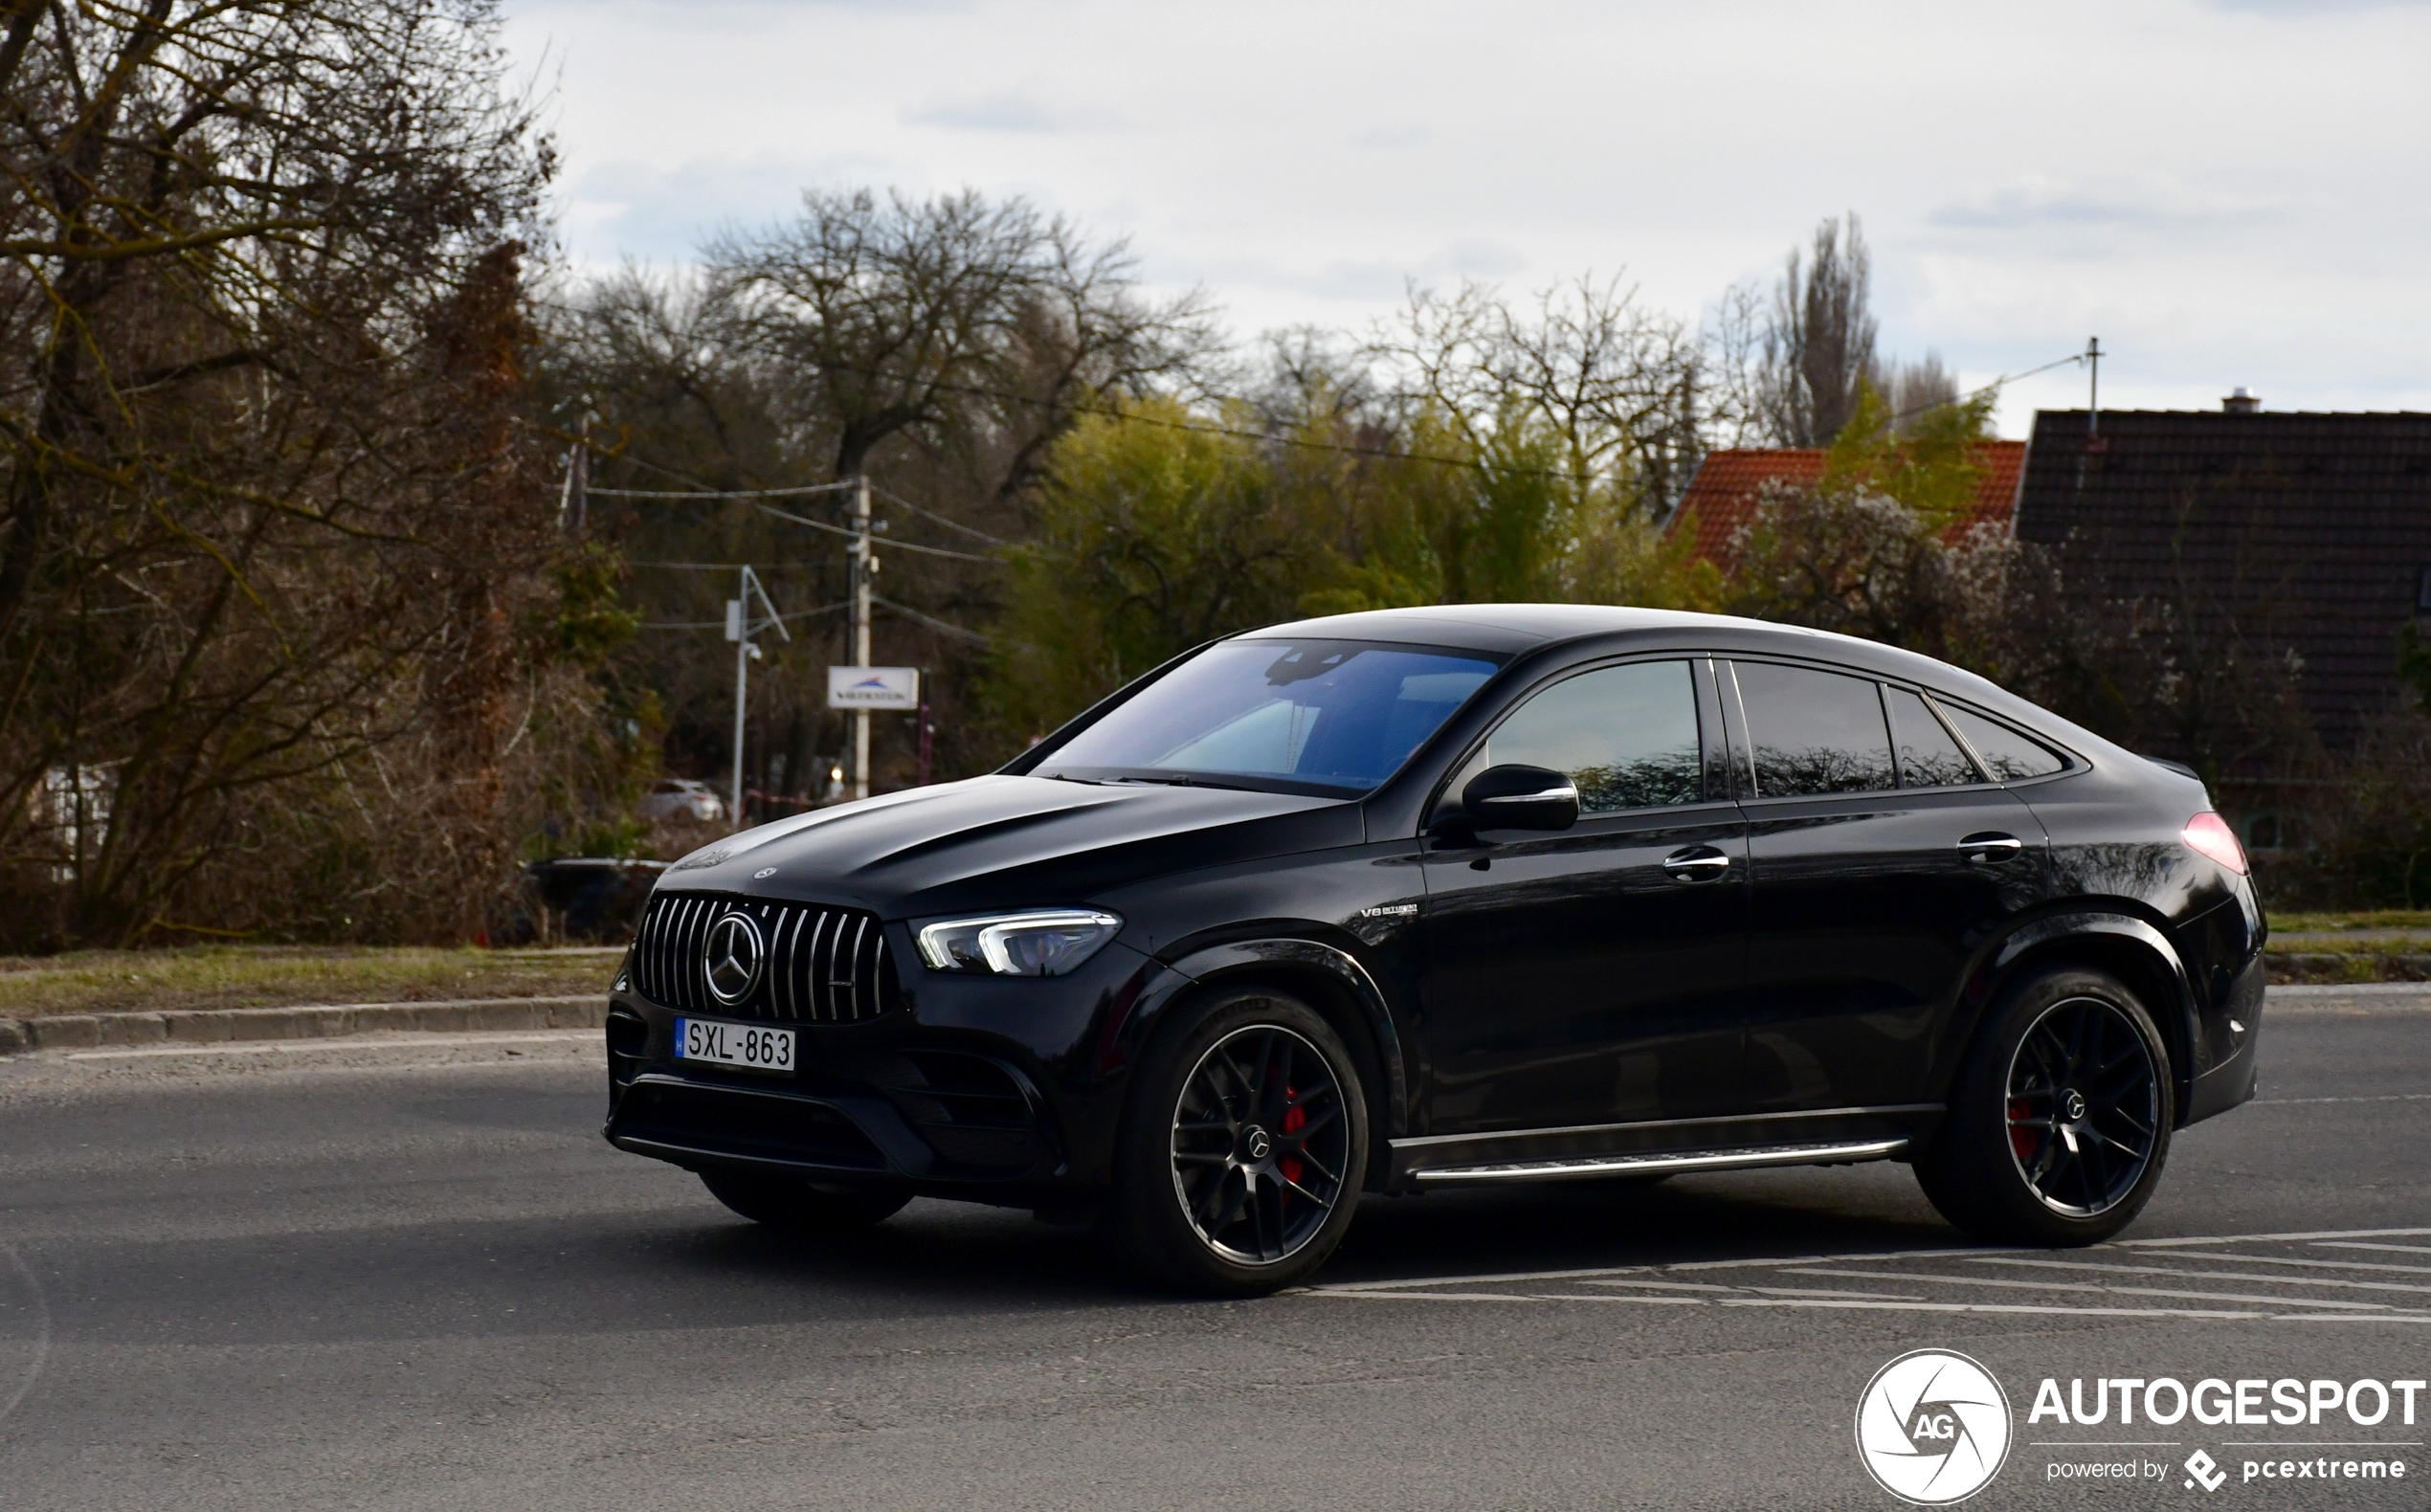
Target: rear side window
(2011,756)
(1626,736)
(1927,756)
(1814,732)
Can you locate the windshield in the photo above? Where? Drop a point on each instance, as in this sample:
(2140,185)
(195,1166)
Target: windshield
(1324,713)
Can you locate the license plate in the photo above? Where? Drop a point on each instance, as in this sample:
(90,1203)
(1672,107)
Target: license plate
(745,1047)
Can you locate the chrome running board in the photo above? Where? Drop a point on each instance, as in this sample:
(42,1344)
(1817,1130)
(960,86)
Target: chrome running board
(1666,1165)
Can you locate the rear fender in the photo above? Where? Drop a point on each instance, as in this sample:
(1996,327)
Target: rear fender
(2128,947)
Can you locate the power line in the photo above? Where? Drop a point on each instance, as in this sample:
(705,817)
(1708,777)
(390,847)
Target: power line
(948,523)
(719,624)
(720,493)
(891,545)
(933,622)
(732,566)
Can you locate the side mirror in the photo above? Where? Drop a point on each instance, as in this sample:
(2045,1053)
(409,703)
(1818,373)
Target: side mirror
(1517,797)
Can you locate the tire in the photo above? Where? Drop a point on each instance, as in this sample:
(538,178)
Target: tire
(1241,1154)
(2059,1126)
(796,1207)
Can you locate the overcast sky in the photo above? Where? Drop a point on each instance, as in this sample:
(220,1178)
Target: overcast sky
(2225,192)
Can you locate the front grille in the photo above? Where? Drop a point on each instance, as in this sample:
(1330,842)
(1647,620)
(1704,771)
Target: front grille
(823,965)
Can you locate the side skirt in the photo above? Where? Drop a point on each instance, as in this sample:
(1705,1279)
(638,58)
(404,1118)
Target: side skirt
(1668,1165)
(1818,1136)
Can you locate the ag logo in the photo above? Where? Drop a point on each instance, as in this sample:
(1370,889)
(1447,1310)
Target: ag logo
(1932,1427)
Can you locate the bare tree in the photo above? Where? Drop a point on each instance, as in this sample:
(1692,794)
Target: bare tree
(934,319)
(1818,343)
(1613,386)
(1916,389)
(270,520)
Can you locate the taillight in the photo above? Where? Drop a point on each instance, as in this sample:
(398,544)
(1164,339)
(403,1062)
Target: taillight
(2209,834)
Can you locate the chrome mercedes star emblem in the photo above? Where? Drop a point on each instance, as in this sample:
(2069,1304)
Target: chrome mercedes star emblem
(731,958)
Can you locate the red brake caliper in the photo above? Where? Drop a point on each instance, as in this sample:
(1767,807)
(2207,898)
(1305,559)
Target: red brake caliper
(2020,1138)
(1295,1119)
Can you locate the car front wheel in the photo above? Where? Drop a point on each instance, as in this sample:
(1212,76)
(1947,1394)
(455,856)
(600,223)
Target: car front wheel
(1241,1154)
(2060,1123)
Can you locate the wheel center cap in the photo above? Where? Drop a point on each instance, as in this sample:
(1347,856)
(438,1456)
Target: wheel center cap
(1256,1143)
(2072,1105)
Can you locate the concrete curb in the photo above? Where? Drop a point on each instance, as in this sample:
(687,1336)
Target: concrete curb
(309,1021)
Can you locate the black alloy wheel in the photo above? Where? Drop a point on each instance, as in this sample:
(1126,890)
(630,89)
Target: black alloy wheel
(1243,1148)
(2085,1106)
(1260,1144)
(2058,1122)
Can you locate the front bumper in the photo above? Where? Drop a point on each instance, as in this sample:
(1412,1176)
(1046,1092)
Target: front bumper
(982,1088)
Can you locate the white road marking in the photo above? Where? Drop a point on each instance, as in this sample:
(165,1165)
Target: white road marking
(2385,1096)
(2208,1276)
(407,1041)
(1827,1260)
(1372,1293)
(2277,1238)
(2002,1307)
(2094,1288)
(2327,1265)
(1647,1285)
(1482,1280)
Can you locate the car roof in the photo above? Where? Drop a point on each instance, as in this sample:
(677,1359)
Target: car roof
(1515,629)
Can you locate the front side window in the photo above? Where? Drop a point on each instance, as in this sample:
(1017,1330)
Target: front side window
(1625,736)
(1329,714)
(1815,732)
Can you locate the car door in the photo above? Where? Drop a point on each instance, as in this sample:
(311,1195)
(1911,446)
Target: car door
(1881,856)
(1584,976)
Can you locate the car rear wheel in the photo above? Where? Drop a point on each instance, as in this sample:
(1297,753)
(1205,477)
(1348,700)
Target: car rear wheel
(798,1206)
(2059,1124)
(1241,1153)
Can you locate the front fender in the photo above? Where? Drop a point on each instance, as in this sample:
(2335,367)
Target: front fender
(1283,956)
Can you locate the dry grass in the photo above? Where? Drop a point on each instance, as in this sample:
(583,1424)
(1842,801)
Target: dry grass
(2325,924)
(267,976)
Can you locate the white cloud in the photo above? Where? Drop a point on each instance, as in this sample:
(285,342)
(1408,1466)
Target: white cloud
(2222,191)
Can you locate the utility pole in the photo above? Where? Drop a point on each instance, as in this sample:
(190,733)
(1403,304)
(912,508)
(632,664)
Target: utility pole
(739,629)
(864,568)
(2093,401)
(574,510)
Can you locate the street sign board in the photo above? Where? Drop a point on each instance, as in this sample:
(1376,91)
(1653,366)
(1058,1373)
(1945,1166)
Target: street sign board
(873,688)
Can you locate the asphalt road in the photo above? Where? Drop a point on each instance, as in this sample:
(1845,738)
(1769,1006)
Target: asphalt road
(416,1278)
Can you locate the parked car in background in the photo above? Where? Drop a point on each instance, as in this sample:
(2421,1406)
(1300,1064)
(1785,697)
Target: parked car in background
(1425,899)
(682,798)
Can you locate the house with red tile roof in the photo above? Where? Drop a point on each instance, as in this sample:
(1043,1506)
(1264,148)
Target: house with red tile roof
(1722,499)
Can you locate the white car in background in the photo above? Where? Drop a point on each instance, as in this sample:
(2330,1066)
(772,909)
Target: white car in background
(682,798)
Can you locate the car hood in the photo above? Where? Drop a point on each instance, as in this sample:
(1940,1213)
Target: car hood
(1007,842)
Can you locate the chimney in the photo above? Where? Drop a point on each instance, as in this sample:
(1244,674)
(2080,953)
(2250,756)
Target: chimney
(2240,401)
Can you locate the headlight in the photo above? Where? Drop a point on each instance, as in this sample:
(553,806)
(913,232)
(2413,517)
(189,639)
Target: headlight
(1035,942)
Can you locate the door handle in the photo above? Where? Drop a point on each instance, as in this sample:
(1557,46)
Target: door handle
(1698,863)
(1991,846)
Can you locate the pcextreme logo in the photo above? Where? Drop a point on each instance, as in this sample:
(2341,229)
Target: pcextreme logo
(1932,1427)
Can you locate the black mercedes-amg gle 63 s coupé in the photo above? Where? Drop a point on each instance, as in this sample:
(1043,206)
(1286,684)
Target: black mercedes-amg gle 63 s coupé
(1429,898)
